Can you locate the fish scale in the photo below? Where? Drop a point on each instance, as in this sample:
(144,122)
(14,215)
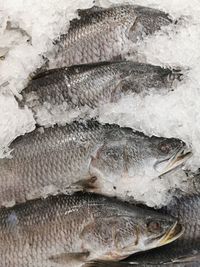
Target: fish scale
(84,88)
(73,155)
(65,230)
(49,165)
(103,34)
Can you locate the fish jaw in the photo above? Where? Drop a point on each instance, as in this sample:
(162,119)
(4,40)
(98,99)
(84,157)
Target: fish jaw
(177,160)
(174,233)
(171,235)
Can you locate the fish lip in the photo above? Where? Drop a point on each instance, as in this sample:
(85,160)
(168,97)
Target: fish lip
(180,156)
(172,234)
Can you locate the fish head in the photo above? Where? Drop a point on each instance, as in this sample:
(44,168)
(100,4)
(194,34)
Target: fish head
(129,154)
(148,21)
(155,230)
(143,78)
(115,238)
(153,156)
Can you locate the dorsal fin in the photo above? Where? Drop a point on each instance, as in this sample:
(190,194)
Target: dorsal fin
(47,73)
(88,11)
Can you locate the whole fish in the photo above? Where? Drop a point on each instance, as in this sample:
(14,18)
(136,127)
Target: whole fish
(104,34)
(84,87)
(87,155)
(69,230)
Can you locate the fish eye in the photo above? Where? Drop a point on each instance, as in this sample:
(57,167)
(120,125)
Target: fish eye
(165,148)
(154,227)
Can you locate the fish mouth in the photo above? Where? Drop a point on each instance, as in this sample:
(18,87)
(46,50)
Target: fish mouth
(174,233)
(179,158)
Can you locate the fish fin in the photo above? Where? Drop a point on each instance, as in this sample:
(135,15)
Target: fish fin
(39,71)
(66,257)
(85,185)
(89,11)
(118,58)
(96,264)
(105,264)
(117,91)
(46,73)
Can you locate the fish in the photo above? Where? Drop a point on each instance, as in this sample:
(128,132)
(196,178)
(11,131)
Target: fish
(85,87)
(186,250)
(86,156)
(71,230)
(105,34)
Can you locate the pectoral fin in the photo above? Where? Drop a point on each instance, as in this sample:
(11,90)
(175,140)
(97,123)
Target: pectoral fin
(85,185)
(95,264)
(65,258)
(47,73)
(106,264)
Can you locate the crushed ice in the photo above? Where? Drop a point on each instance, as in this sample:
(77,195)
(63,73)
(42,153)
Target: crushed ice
(27,29)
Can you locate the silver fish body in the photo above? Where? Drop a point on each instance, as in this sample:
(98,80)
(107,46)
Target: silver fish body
(69,230)
(87,155)
(104,34)
(85,87)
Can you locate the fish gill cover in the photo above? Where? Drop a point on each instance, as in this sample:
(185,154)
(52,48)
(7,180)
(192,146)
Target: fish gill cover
(27,31)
